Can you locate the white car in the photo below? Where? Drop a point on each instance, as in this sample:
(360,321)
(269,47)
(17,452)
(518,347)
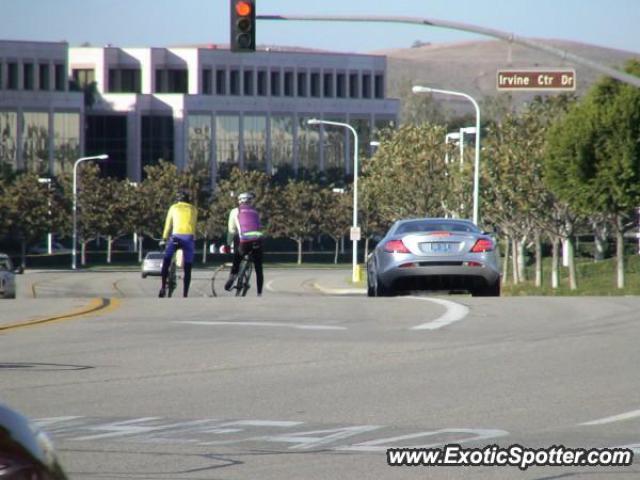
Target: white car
(152,264)
(7,277)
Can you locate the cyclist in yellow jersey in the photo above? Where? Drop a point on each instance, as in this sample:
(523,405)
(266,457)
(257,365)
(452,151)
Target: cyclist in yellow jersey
(179,232)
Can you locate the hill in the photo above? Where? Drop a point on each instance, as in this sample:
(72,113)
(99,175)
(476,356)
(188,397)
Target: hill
(471,67)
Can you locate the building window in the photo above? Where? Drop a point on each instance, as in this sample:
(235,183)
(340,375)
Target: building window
(130,80)
(328,85)
(334,146)
(206,81)
(43,76)
(234,81)
(1,75)
(315,84)
(66,141)
(353,85)
(83,77)
(35,142)
(262,83)
(172,81)
(60,78)
(178,81)
(308,147)
(12,80)
(248,83)
(288,84)
(366,86)
(302,84)
(281,143)
(379,85)
(275,84)
(340,85)
(254,133)
(227,143)
(124,80)
(157,140)
(9,139)
(363,127)
(27,76)
(108,134)
(199,144)
(221,82)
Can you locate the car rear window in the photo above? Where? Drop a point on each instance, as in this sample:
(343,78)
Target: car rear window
(154,256)
(418,226)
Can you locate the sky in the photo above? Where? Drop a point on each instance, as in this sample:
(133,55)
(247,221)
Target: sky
(163,23)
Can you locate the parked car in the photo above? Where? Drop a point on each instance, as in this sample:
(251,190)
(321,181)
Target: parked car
(43,248)
(152,264)
(436,254)
(7,277)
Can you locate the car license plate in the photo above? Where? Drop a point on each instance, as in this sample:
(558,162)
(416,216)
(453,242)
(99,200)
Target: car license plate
(440,247)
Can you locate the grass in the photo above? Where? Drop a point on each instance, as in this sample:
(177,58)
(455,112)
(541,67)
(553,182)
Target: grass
(593,278)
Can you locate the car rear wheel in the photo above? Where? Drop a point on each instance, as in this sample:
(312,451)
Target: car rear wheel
(144,275)
(380,290)
(371,291)
(492,290)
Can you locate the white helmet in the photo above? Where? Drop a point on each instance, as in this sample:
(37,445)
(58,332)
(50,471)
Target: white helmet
(245,197)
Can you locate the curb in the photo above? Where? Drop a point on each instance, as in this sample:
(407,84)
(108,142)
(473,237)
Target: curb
(339,291)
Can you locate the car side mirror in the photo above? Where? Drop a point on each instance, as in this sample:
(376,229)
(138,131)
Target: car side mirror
(19,270)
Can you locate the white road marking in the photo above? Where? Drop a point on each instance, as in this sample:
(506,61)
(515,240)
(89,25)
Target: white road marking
(269,287)
(267,324)
(455,312)
(616,418)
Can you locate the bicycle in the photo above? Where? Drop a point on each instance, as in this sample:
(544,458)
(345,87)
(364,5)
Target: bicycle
(242,283)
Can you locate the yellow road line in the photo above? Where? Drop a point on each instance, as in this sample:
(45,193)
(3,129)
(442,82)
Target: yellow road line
(103,305)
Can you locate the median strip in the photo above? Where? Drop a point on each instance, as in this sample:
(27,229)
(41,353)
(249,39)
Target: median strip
(96,305)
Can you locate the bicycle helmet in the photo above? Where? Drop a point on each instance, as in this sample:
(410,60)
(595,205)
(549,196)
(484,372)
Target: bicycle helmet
(183,196)
(25,450)
(245,197)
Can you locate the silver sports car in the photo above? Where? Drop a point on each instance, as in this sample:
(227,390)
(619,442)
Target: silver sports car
(434,254)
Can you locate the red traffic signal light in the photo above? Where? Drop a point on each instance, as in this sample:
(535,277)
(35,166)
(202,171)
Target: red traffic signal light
(243,31)
(243,8)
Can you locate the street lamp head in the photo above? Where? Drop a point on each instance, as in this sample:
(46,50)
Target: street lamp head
(421,89)
(104,156)
(313,121)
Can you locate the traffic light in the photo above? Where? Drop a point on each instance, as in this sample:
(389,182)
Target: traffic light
(243,26)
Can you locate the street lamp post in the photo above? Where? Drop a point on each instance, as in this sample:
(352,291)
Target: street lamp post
(315,121)
(476,176)
(75,201)
(49,235)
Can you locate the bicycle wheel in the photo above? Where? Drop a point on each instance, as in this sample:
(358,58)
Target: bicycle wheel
(247,278)
(213,279)
(241,280)
(172,282)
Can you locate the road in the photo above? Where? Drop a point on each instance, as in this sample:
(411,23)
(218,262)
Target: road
(305,384)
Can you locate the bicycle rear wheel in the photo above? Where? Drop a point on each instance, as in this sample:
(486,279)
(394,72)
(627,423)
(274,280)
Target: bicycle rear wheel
(247,278)
(172,282)
(242,282)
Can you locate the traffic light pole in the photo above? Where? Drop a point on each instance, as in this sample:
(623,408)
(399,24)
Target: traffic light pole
(430,22)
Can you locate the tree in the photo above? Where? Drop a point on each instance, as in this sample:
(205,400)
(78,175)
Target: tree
(407,175)
(297,213)
(594,156)
(25,207)
(225,199)
(157,193)
(335,216)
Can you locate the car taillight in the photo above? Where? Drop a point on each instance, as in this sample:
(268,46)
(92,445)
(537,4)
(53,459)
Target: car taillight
(395,246)
(482,245)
